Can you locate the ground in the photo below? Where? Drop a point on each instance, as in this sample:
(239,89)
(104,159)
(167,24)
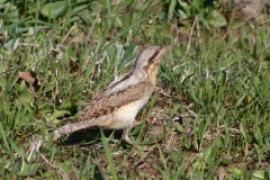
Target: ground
(207,119)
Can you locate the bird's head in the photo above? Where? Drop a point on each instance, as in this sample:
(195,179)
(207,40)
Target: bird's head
(148,61)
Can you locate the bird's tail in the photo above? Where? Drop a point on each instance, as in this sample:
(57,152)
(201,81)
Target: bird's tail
(74,127)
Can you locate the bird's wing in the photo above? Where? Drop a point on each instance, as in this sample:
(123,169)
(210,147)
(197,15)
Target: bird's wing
(108,103)
(112,84)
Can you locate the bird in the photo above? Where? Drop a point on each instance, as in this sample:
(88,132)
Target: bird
(117,105)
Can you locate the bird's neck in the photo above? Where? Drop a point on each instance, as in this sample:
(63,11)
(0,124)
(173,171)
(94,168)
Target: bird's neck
(149,74)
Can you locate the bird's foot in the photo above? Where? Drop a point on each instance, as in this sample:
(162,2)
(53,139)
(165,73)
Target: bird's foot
(126,138)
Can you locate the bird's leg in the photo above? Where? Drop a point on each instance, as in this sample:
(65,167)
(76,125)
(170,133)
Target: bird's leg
(125,136)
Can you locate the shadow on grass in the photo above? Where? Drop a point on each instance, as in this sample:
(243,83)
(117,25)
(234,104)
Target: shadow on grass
(90,136)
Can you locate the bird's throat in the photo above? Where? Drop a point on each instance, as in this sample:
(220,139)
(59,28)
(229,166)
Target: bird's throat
(152,74)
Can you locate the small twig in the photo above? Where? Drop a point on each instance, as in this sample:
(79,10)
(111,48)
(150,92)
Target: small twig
(68,33)
(28,44)
(170,140)
(34,147)
(198,31)
(190,36)
(149,150)
(37,142)
(60,170)
(162,92)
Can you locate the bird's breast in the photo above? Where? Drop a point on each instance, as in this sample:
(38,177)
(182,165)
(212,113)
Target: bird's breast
(125,116)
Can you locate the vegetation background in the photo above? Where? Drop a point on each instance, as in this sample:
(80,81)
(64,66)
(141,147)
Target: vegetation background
(208,118)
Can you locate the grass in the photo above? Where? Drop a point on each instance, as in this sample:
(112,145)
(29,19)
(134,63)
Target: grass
(217,92)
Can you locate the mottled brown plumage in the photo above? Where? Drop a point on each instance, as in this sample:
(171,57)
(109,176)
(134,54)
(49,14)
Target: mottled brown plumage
(104,105)
(118,104)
